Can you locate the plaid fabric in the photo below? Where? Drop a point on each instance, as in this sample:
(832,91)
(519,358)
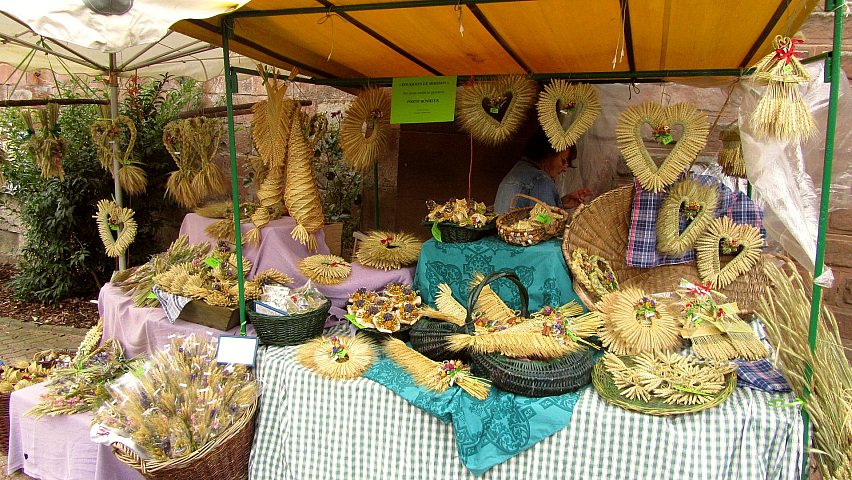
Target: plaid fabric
(309,427)
(761,375)
(642,242)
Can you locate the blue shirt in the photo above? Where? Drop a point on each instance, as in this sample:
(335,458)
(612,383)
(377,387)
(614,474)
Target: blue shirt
(530,180)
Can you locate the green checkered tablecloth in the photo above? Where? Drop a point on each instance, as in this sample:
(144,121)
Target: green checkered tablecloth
(313,428)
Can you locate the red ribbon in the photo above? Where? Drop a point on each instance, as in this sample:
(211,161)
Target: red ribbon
(784,54)
(386,241)
(700,289)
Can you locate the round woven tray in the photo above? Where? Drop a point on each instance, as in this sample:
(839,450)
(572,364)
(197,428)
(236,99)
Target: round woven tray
(605,387)
(225,458)
(528,236)
(281,330)
(455,234)
(602,227)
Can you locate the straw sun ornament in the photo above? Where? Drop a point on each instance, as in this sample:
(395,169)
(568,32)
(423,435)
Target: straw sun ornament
(107,133)
(493,111)
(724,232)
(336,357)
(579,102)
(109,217)
(689,199)
(325,269)
(633,323)
(388,250)
(662,120)
(365,130)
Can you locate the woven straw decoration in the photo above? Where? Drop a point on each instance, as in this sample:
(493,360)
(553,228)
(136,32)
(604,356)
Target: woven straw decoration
(684,195)
(707,250)
(580,101)
(628,331)
(781,112)
(365,130)
(479,108)
(301,195)
(339,358)
(105,134)
(44,145)
(708,342)
(593,272)
(447,304)
(206,134)
(110,216)
(489,305)
(179,184)
(388,250)
(193,143)
(731,154)
(325,269)
(432,375)
(661,119)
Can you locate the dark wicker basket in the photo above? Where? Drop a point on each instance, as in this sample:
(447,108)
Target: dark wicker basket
(281,331)
(532,378)
(455,234)
(378,337)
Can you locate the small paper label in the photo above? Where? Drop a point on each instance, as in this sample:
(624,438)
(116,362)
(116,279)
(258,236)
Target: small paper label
(237,350)
(436,232)
(494,110)
(113,227)
(543,218)
(353,321)
(212,262)
(151,296)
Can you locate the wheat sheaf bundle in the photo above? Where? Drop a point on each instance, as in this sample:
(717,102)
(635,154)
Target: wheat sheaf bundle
(687,198)
(633,323)
(365,130)
(107,134)
(489,305)
(708,342)
(435,376)
(388,250)
(731,154)
(192,144)
(579,100)
(46,146)
(339,358)
(662,120)
(301,194)
(785,309)
(325,269)
(112,217)
(707,246)
(448,305)
(510,95)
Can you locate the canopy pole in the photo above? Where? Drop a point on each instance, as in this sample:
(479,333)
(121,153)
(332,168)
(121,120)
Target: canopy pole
(113,115)
(376,194)
(833,72)
(230,81)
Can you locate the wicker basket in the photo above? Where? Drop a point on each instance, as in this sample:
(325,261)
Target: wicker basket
(4,422)
(532,378)
(529,236)
(605,387)
(602,227)
(378,337)
(429,337)
(451,233)
(281,330)
(225,458)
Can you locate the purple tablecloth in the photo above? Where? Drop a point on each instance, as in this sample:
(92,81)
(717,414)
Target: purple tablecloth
(143,330)
(58,448)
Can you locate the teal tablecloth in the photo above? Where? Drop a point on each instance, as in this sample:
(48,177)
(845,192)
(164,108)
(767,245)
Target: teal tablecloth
(541,268)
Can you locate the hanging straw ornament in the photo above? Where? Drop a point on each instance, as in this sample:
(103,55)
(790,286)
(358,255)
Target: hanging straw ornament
(493,111)
(107,133)
(206,133)
(339,358)
(662,120)
(111,218)
(325,269)
(365,131)
(316,129)
(731,154)
(270,131)
(781,112)
(741,240)
(46,146)
(566,111)
(435,376)
(301,195)
(179,184)
(388,250)
(692,201)
(633,323)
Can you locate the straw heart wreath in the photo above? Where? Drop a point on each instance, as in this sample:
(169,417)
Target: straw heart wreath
(493,111)
(111,218)
(566,111)
(724,237)
(662,120)
(696,203)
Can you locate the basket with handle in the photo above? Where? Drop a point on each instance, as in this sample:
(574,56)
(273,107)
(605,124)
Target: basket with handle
(532,378)
(225,458)
(285,330)
(452,233)
(510,233)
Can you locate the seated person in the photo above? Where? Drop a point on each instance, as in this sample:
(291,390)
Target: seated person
(535,175)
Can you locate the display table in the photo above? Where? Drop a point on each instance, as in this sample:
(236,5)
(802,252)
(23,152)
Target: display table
(143,330)
(310,427)
(58,447)
(541,268)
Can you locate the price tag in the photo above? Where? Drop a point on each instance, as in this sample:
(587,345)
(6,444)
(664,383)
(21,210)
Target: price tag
(236,349)
(212,262)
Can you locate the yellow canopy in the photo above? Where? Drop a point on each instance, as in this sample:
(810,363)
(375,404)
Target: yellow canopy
(384,38)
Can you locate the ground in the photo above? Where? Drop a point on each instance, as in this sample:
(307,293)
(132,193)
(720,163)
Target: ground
(74,312)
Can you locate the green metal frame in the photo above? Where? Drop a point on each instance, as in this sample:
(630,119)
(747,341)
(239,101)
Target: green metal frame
(364,7)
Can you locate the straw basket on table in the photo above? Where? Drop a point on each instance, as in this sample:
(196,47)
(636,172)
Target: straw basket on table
(532,378)
(285,330)
(451,233)
(225,458)
(602,227)
(525,237)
